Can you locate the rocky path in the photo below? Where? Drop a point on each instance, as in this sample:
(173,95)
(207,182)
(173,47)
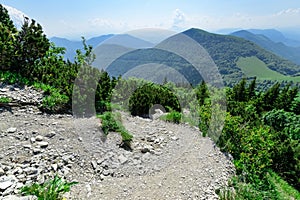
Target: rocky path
(168,161)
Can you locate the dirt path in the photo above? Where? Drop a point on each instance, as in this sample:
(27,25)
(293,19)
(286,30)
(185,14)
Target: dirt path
(187,167)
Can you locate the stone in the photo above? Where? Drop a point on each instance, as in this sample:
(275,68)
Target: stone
(43,144)
(36,150)
(11,130)
(5,184)
(39,138)
(174,138)
(122,159)
(2,172)
(50,134)
(94,165)
(32,140)
(54,167)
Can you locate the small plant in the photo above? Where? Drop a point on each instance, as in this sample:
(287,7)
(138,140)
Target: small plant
(50,190)
(5,100)
(112,122)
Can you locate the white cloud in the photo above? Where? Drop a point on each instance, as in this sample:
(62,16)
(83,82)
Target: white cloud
(289,11)
(179,17)
(179,20)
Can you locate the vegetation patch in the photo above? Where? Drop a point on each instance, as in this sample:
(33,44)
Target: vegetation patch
(254,67)
(150,94)
(50,190)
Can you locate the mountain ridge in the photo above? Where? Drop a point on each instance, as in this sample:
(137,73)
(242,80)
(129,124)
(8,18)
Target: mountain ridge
(279,48)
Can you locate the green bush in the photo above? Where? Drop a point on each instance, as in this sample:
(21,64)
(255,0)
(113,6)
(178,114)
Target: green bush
(150,94)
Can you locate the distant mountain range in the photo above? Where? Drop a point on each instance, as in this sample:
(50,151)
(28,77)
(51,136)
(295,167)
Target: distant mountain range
(120,39)
(232,54)
(276,36)
(273,41)
(72,46)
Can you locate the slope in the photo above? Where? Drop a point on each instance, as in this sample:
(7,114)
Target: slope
(226,50)
(278,48)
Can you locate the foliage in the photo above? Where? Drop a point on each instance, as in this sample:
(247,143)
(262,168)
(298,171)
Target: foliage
(13,77)
(50,190)
(150,94)
(173,116)
(5,100)
(31,44)
(7,39)
(202,93)
(111,122)
(262,134)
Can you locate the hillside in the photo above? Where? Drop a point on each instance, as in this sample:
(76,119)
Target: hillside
(290,53)
(226,50)
(277,36)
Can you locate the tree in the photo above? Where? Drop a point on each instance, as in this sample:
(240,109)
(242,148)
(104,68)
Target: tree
(202,93)
(7,39)
(31,45)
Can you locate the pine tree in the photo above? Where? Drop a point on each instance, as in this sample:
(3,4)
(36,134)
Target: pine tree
(202,93)
(31,45)
(7,39)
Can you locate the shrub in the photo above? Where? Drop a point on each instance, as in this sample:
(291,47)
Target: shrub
(150,94)
(173,116)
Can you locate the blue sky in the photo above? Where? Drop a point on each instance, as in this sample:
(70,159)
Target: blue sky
(75,18)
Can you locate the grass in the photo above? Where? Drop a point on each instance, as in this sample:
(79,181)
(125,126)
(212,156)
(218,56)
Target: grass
(278,189)
(252,66)
(284,190)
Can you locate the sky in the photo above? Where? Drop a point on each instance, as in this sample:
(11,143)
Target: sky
(76,18)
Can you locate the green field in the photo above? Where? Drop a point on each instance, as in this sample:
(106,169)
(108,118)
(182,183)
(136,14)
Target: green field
(252,66)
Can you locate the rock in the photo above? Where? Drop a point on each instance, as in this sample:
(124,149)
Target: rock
(122,159)
(36,150)
(43,144)
(51,134)
(174,138)
(94,165)
(5,184)
(54,167)
(39,138)
(27,146)
(11,130)
(2,172)
(32,140)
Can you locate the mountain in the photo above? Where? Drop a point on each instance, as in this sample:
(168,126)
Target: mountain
(226,50)
(231,54)
(129,41)
(72,46)
(276,36)
(279,48)
(120,39)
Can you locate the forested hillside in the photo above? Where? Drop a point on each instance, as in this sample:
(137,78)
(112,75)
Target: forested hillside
(226,50)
